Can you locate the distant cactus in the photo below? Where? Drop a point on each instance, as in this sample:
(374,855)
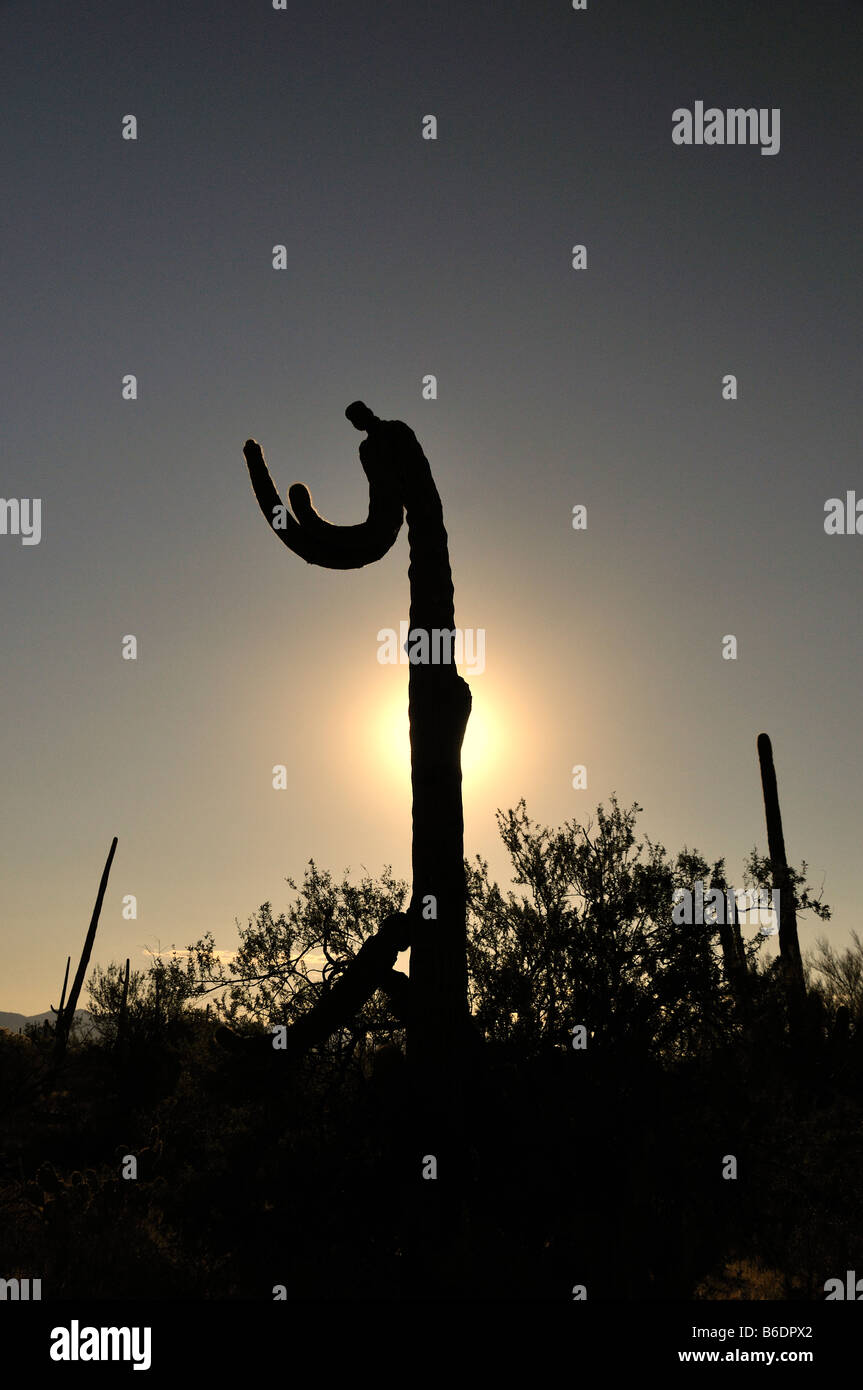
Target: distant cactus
(123,1017)
(789,944)
(59,1012)
(733,953)
(66,1017)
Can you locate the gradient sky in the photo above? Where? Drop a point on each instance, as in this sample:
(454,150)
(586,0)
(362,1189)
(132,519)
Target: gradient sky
(556,387)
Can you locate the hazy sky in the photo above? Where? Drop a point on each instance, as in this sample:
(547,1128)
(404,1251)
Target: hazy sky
(556,387)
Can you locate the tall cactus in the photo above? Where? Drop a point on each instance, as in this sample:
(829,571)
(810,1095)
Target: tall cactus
(789,944)
(733,954)
(439,702)
(66,1017)
(59,1011)
(123,1018)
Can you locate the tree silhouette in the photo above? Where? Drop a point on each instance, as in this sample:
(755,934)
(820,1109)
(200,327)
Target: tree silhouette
(592,942)
(591,939)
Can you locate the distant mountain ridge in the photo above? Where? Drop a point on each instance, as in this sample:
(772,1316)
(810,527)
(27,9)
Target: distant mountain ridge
(16,1022)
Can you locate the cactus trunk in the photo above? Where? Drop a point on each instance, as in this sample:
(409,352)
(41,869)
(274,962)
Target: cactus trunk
(122,1022)
(733,956)
(439,704)
(789,944)
(59,1011)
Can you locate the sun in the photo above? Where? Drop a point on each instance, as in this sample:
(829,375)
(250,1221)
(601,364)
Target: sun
(482,740)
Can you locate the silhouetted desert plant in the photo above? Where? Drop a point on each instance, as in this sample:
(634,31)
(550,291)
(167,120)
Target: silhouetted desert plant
(838,977)
(242,1184)
(592,941)
(286,964)
(142,1007)
(66,1016)
(439,703)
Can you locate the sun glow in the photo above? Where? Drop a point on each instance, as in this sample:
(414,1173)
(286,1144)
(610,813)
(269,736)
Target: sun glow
(482,741)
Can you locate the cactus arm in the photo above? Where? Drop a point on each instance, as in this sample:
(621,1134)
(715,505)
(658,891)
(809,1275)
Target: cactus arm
(370,969)
(311,536)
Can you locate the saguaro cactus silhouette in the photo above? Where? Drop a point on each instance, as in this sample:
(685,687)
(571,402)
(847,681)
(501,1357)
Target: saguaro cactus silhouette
(66,1015)
(733,954)
(123,1020)
(789,944)
(59,1011)
(439,702)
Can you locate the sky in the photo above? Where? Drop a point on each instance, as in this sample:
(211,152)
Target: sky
(556,387)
